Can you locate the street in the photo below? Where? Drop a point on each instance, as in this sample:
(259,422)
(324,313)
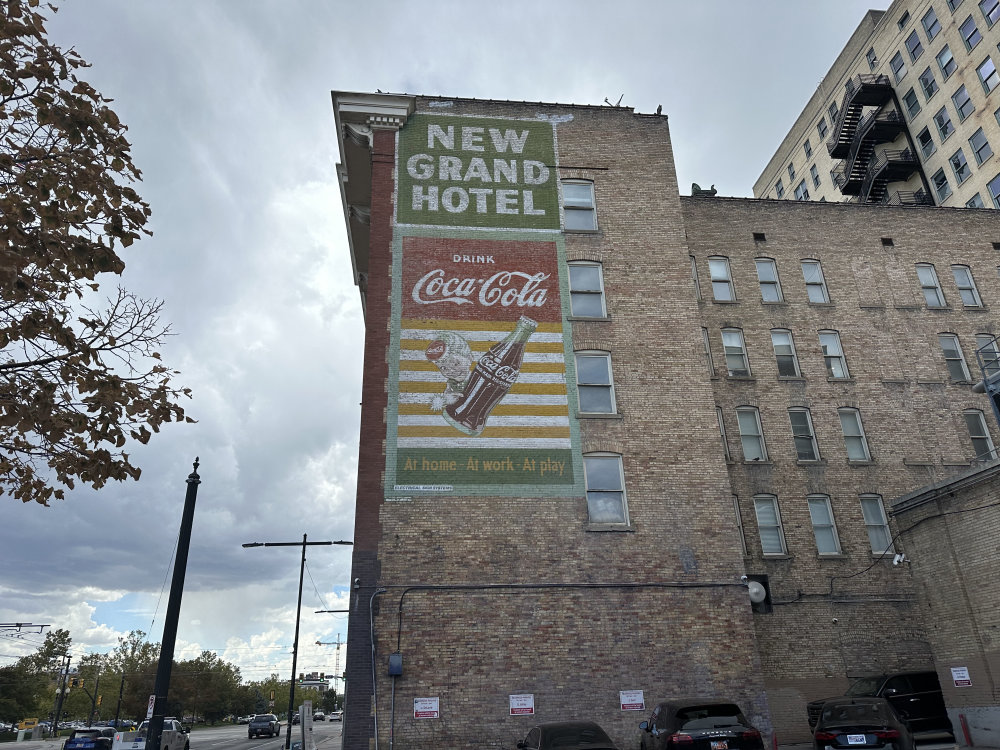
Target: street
(325,735)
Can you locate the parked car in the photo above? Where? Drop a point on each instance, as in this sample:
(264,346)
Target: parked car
(90,738)
(698,724)
(170,724)
(336,716)
(916,697)
(319,716)
(263,724)
(861,724)
(567,735)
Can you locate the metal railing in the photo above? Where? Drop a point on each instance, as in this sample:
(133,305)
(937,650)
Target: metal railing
(855,86)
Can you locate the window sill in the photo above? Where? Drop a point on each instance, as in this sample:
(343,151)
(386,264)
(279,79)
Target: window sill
(581,231)
(857,462)
(775,556)
(872,307)
(931,382)
(578,318)
(598,415)
(907,307)
(839,380)
(601,527)
(910,462)
(764,462)
(791,378)
(942,308)
(811,462)
(980,308)
(746,378)
(725,301)
(779,303)
(834,556)
(821,304)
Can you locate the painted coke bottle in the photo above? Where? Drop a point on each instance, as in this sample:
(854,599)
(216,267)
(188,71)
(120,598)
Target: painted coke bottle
(495,372)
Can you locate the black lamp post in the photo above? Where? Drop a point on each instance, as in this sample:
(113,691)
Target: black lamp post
(298,611)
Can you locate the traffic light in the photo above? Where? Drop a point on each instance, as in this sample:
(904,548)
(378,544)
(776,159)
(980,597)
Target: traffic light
(99,699)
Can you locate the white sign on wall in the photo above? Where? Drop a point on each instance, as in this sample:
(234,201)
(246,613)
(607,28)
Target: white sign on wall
(522,705)
(426,708)
(632,700)
(149,711)
(961,677)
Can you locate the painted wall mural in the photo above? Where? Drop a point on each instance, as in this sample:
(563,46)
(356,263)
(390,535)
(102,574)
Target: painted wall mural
(479,402)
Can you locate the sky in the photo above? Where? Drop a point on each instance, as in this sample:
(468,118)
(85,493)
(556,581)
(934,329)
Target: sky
(230,119)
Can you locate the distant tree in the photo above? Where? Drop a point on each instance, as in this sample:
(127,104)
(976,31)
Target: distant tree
(132,667)
(206,686)
(78,377)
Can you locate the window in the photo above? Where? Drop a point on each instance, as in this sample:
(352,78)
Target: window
(876,524)
(803,435)
(943,121)
(833,355)
(594,383)
(833,111)
(586,290)
(930,24)
(980,146)
(807,147)
(812,272)
(988,74)
(913,46)
(821,128)
(953,358)
(926,142)
(779,189)
(929,285)
(751,434)
(737,364)
(722,433)
(991,10)
(872,58)
(912,103)
(708,352)
(989,352)
(767,275)
(791,171)
(903,20)
(982,443)
(694,277)
(928,83)
(605,488)
(578,205)
(784,353)
(970,34)
(824,529)
(772,539)
(993,186)
(722,283)
(966,286)
(814,173)
(739,525)
(953,4)
(959,166)
(975,201)
(898,66)
(801,191)
(963,104)
(941,186)
(854,435)
(946,62)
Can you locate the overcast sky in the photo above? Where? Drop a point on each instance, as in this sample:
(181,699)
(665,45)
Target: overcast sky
(229,113)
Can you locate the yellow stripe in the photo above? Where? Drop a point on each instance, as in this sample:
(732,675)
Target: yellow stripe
(415,365)
(472,325)
(489,432)
(503,410)
(538,347)
(538,389)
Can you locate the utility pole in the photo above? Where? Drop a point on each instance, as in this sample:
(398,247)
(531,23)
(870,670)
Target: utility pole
(62,694)
(298,612)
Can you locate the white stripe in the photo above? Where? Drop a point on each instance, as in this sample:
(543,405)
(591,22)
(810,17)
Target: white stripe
(477,442)
(417,355)
(510,398)
(433,378)
(421,334)
(528,420)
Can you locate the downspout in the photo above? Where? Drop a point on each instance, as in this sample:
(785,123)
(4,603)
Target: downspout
(371,626)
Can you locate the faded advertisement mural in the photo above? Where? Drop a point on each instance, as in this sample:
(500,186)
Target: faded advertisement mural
(479,402)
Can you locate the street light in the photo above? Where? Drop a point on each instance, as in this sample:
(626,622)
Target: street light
(298,611)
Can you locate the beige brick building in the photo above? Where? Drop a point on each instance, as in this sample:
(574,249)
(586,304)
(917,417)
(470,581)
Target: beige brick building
(909,113)
(592,406)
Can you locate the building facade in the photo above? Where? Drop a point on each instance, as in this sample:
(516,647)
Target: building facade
(594,411)
(909,113)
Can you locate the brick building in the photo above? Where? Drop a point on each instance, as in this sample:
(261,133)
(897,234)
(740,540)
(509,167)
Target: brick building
(909,113)
(591,407)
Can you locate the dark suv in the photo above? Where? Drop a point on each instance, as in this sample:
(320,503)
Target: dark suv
(916,697)
(263,724)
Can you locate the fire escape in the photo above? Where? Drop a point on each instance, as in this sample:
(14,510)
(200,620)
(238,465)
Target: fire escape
(865,171)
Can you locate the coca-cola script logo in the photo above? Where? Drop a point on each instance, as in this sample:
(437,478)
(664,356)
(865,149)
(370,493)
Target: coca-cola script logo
(435,350)
(504,287)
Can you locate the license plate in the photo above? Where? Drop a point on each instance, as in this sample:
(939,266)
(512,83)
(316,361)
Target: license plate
(857,739)
(720,745)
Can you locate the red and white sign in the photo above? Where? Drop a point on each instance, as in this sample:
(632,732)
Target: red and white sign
(632,700)
(522,705)
(426,708)
(961,677)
